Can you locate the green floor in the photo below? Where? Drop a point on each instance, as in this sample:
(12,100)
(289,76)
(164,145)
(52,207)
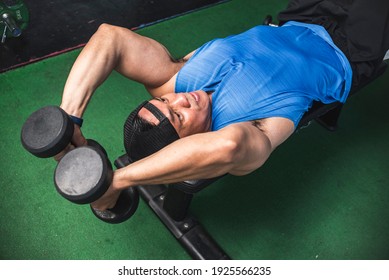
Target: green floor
(321,195)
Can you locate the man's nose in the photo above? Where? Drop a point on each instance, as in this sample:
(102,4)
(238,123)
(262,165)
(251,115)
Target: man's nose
(180,100)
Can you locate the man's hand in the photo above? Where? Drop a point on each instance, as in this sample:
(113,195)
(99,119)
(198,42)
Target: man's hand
(108,200)
(78,140)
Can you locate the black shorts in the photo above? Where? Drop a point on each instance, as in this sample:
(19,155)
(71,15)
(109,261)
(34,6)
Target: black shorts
(360,28)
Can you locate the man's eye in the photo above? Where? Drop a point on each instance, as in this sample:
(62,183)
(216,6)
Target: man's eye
(179,116)
(161,99)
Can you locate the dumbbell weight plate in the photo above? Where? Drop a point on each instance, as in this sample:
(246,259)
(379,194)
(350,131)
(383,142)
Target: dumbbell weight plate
(47,131)
(95,144)
(83,175)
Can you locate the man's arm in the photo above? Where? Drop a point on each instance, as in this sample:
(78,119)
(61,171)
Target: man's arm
(114,48)
(237,149)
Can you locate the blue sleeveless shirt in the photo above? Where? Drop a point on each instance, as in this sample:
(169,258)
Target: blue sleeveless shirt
(268,72)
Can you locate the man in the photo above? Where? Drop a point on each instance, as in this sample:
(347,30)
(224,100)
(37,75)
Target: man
(238,98)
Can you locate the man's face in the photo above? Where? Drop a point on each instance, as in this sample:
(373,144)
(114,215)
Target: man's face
(189,113)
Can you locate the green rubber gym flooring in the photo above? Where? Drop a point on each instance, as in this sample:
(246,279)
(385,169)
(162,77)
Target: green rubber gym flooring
(321,195)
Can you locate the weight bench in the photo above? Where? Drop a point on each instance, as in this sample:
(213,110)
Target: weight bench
(171,202)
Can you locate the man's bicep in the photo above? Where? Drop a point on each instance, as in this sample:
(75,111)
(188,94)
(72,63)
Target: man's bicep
(144,60)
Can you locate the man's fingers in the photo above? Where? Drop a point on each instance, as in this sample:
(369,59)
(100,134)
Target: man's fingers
(60,155)
(78,138)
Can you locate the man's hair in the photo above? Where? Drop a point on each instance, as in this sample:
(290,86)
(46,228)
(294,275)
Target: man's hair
(142,138)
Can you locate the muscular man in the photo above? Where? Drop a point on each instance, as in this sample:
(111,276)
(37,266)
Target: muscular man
(224,107)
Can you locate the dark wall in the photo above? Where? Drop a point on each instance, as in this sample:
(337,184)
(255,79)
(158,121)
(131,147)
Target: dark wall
(56,26)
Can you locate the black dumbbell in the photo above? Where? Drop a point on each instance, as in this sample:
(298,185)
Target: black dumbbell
(47,131)
(83,174)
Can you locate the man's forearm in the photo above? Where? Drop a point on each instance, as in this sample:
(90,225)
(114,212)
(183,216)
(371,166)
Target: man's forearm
(91,69)
(196,157)
(238,149)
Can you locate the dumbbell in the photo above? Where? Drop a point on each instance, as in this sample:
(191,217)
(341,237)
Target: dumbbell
(83,174)
(47,131)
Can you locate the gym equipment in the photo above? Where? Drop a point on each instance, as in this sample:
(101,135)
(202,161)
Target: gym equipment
(14,18)
(171,205)
(83,174)
(47,131)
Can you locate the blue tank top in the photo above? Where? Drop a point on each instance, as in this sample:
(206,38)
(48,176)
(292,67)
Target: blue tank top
(267,72)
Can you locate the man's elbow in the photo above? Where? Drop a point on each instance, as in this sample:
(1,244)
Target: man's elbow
(244,160)
(230,157)
(231,152)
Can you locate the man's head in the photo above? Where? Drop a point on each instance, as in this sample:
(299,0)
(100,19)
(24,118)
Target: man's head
(161,121)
